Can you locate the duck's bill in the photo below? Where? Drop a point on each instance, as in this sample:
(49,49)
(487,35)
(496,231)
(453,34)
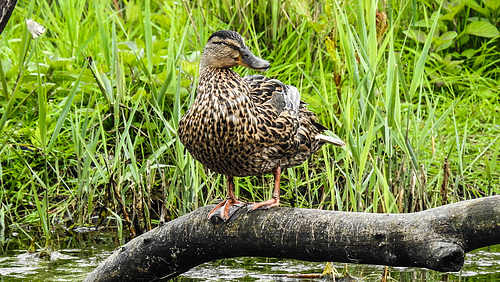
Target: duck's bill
(249,60)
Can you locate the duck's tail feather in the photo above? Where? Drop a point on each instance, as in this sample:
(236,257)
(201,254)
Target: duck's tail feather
(292,98)
(332,140)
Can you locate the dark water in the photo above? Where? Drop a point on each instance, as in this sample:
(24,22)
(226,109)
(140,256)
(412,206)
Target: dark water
(480,265)
(64,265)
(74,260)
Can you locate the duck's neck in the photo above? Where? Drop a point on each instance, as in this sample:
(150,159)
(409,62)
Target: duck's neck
(209,73)
(221,83)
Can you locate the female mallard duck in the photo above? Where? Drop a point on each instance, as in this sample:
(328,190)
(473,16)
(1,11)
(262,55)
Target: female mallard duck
(243,126)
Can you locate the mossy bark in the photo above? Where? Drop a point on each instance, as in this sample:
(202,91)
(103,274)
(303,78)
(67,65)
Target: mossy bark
(436,239)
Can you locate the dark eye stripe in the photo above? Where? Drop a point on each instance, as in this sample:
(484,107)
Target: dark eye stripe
(232,46)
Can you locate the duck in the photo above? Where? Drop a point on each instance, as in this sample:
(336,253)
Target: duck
(246,126)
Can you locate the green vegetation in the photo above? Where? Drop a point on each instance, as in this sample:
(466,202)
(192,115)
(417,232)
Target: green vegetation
(90,108)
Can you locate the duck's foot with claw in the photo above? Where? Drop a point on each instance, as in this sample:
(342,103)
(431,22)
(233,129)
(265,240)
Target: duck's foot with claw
(263,205)
(225,210)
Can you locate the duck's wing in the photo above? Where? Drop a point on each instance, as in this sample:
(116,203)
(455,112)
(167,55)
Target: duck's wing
(281,105)
(266,91)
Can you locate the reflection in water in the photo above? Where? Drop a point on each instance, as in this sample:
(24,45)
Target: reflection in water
(63,265)
(480,265)
(79,254)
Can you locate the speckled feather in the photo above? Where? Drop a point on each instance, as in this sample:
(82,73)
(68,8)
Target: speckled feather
(247,126)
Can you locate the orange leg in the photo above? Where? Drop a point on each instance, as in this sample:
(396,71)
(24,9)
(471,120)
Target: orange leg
(227,203)
(275,201)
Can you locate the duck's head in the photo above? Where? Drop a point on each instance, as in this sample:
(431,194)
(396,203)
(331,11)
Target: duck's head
(226,49)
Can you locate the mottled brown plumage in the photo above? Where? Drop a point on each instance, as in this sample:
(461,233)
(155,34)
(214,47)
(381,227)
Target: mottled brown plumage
(246,126)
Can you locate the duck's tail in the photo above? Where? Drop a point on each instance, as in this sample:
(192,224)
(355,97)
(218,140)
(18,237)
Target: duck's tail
(332,140)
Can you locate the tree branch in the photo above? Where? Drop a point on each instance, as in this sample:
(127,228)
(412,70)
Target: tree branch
(6,8)
(436,239)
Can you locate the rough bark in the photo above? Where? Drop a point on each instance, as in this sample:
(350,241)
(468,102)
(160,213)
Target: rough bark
(436,239)
(6,8)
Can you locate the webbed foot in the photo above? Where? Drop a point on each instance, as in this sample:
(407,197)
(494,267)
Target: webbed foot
(265,205)
(226,209)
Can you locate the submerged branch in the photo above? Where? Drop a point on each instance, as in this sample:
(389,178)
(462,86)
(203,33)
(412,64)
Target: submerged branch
(436,239)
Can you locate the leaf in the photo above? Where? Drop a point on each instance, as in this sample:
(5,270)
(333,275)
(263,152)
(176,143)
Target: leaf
(416,35)
(449,35)
(492,4)
(64,112)
(469,53)
(445,40)
(482,29)
(453,11)
(443,45)
(473,5)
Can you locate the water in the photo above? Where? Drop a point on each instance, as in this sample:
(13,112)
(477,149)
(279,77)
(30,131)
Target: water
(78,253)
(78,258)
(480,265)
(64,265)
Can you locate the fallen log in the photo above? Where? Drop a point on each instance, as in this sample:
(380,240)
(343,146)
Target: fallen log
(436,239)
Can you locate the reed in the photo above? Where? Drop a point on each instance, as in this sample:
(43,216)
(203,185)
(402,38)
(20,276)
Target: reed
(90,108)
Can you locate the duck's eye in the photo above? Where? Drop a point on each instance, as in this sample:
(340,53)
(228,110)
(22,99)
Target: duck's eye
(228,44)
(220,42)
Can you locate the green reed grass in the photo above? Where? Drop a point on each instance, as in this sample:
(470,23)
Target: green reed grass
(90,109)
